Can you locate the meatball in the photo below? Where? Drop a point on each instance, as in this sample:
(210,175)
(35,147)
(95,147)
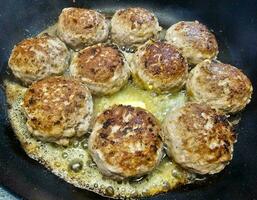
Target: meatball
(198,139)
(125,142)
(57,109)
(133,26)
(194,40)
(79,27)
(102,68)
(222,86)
(160,67)
(36,58)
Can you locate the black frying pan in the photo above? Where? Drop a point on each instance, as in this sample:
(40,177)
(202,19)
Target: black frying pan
(235,26)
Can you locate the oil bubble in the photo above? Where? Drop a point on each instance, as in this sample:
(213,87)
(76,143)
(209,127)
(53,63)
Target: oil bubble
(75,143)
(64,155)
(84,144)
(57,164)
(76,165)
(109,191)
(166,186)
(90,163)
(176,174)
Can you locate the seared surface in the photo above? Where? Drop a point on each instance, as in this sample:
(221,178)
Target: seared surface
(133,25)
(222,86)
(125,142)
(198,138)
(194,40)
(36,58)
(58,108)
(160,66)
(79,27)
(102,68)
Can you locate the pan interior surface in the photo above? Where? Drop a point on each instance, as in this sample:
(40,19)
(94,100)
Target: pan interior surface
(74,164)
(238,46)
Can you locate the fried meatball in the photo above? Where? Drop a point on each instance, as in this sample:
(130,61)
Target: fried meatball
(125,142)
(159,66)
(80,27)
(194,40)
(102,68)
(222,86)
(198,139)
(57,109)
(133,26)
(36,58)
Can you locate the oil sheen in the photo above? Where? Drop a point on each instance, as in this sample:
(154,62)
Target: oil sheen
(74,164)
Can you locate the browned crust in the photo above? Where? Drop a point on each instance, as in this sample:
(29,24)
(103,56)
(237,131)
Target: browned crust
(197,137)
(80,20)
(142,127)
(99,63)
(136,16)
(163,61)
(52,101)
(28,62)
(222,82)
(215,72)
(199,36)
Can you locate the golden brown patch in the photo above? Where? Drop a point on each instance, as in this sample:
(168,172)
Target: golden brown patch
(202,127)
(25,50)
(126,127)
(216,72)
(199,36)
(80,20)
(99,63)
(49,103)
(223,86)
(136,16)
(163,61)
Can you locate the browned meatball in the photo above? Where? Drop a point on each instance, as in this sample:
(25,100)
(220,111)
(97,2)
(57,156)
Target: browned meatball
(222,86)
(159,66)
(198,138)
(57,109)
(194,40)
(133,26)
(125,142)
(36,58)
(102,68)
(80,27)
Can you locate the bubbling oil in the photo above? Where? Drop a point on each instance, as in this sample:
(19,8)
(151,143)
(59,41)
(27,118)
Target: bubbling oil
(74,163)
(131,94)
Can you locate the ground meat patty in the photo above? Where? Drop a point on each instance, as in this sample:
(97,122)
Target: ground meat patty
(102,68)
(159,66)
(194,40)
(133,26)
(198,138)
(220,85)
(80,27)
(125,142)
(57,109)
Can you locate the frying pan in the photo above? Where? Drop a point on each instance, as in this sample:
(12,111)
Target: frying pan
(234,24)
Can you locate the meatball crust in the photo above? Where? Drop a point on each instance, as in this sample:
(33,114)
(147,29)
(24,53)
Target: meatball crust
(194,40)
(58,108)
(222,86)
(79,27)
(159,66)
(133,26)
(198,138)
(36,58)
(102,68)
(125,142)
